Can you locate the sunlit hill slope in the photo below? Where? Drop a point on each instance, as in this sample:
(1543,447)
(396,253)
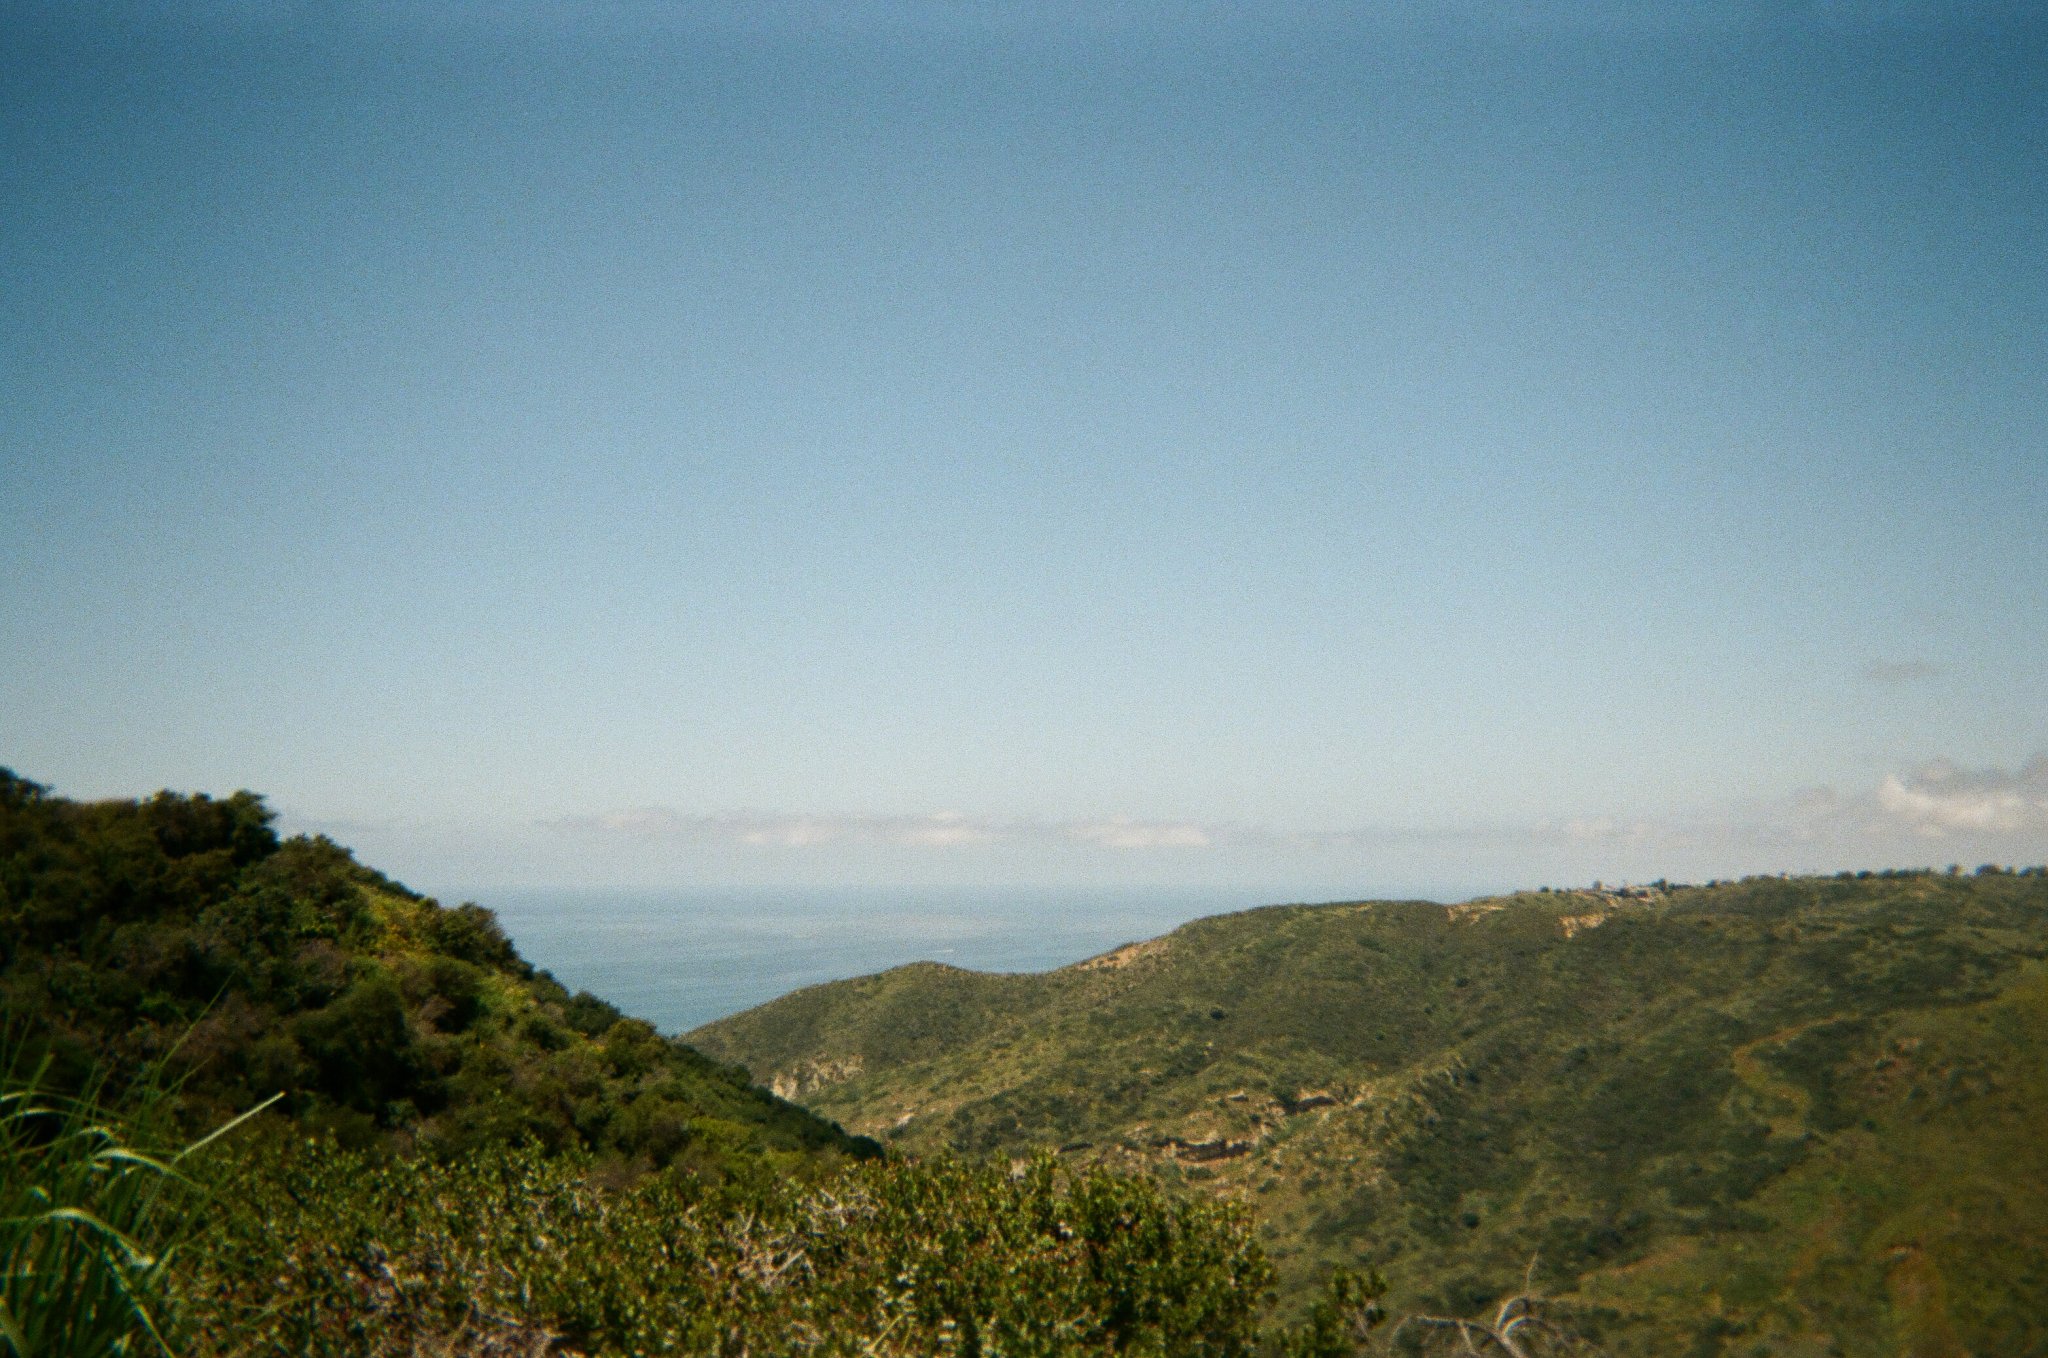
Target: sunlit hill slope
(1770,1117)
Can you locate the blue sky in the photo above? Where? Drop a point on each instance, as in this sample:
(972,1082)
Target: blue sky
(1332,449)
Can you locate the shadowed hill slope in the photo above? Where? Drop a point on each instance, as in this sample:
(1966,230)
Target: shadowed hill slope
(1785,1116)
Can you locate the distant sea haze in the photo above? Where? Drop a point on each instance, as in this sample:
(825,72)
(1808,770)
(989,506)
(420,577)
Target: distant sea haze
(682,958)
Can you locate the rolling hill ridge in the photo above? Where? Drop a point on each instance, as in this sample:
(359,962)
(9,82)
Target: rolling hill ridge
(1777,1116)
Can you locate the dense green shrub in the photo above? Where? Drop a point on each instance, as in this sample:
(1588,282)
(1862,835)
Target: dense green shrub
(182,928)
(330,1252)
(301,1246)
(468,1159)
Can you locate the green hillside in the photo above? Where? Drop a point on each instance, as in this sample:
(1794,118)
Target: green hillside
(181,930)
(446,1153)
(1781,1117)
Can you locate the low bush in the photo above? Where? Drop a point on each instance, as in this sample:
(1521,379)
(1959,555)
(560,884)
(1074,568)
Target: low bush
(331,1253)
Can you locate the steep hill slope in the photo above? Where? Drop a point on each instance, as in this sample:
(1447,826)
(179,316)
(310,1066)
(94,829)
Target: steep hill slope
(181,930)
(1785,1117)
(468,1159)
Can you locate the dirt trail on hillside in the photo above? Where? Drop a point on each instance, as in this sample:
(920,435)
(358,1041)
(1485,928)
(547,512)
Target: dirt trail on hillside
(1773,1088)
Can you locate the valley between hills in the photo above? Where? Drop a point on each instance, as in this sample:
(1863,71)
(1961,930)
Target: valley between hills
(258,1098)
(1770,1117)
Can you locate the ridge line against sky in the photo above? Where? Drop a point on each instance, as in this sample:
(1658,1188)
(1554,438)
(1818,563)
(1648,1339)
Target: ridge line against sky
(1450,445)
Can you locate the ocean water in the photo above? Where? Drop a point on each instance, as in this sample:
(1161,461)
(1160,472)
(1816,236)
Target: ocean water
(679,959)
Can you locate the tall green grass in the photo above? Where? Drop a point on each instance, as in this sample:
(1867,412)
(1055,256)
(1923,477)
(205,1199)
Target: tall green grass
(92,1218)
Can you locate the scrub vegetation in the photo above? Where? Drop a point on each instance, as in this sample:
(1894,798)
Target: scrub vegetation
(1768,1117)
(258,1099)
(181,934)
(452,1155)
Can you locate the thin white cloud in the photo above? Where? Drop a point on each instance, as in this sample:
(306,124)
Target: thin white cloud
(1940,799)
(938,830)
(1933,801)
(1996,810)
(946,830)
(1610,830)
(762,829)
(1120,832)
